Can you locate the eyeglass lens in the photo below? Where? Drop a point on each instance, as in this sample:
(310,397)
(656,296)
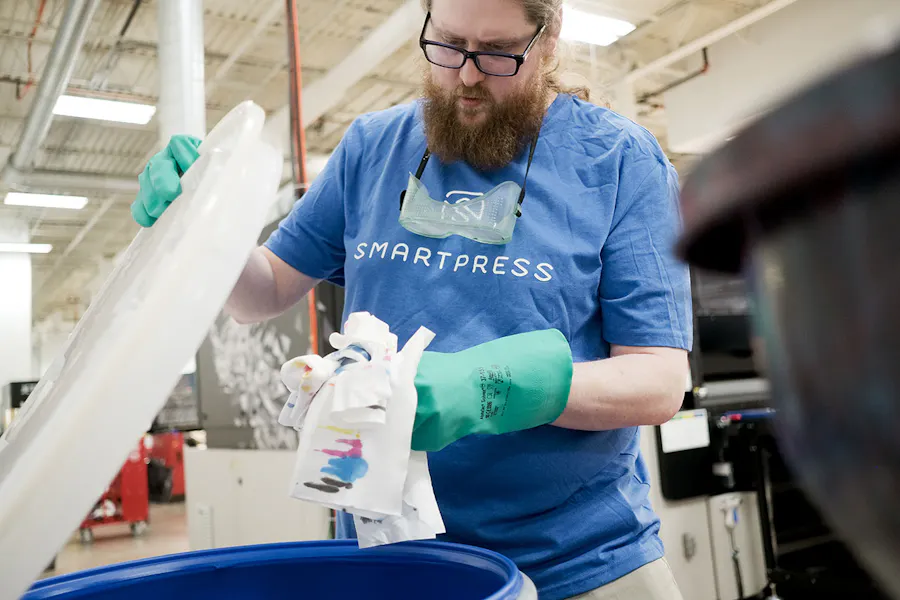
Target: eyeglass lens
(452,58)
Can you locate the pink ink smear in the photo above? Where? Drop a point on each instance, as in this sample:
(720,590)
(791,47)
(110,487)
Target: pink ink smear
(355,450)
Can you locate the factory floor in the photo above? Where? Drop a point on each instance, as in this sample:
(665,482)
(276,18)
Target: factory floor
(166,534)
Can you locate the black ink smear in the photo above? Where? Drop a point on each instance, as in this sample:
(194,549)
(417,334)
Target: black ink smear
(329,489)
(337,483)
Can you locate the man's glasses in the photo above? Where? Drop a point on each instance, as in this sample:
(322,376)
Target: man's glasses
(498,64)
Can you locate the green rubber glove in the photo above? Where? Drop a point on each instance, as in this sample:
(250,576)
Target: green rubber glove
(513,383)
(160,181)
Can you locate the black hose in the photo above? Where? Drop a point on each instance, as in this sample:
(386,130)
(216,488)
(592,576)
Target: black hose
(129,18)
(739,579)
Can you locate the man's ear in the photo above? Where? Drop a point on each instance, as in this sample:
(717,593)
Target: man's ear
(551,45)
(552,38)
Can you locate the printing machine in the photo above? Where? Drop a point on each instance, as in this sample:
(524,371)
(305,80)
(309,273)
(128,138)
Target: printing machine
(13,396)
(724,539)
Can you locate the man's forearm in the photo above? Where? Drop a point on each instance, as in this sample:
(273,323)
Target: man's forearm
(254,295)
(266,288)
(624,391)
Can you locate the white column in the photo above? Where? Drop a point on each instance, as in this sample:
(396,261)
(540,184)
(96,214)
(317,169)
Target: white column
(182,95)
(15,307)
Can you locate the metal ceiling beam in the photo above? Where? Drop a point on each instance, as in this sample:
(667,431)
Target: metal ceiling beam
(327,92)
(318,98)
(318,28)
(80,88)
(616,10)
(276,9)
(95,218)
(707,40)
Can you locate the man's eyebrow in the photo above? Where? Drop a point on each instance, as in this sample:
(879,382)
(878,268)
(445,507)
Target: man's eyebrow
(504,41)
(495,42)
(445,34)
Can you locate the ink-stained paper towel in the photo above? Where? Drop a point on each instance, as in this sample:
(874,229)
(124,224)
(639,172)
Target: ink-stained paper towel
(420,517)
(355,410)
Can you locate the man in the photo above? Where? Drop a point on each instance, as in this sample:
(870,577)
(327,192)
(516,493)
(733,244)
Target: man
(558,332)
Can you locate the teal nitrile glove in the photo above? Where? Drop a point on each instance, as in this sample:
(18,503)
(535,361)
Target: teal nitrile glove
(160,181)
(513,383)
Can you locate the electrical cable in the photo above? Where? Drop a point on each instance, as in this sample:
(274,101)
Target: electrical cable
(34,28)
(735,553)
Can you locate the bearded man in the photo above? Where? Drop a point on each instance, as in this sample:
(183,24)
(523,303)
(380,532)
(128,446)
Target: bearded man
(562,318)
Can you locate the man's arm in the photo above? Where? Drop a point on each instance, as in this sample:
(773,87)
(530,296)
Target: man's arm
(267,287)
(635,386)
(308,245)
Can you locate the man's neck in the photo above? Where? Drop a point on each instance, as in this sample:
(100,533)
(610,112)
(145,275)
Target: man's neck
(551,97)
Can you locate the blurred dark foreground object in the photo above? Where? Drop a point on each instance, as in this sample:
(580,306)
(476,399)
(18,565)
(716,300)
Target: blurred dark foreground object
(806,204)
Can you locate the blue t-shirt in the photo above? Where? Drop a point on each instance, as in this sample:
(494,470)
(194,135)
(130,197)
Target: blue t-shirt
(592,256)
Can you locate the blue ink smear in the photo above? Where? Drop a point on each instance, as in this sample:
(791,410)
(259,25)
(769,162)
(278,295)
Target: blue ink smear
(346,468)
(346,361)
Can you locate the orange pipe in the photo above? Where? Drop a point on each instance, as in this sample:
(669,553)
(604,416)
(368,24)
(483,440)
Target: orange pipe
(298,140)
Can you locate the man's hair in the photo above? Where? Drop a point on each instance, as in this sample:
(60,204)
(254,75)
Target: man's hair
(549,13)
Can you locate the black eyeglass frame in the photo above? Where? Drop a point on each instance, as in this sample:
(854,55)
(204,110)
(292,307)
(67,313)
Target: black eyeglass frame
(519,58)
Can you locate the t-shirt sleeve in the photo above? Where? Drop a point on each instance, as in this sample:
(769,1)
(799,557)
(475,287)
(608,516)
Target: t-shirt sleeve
(311,237)
(645,291)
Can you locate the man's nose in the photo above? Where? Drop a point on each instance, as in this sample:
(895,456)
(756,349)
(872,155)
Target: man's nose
(470,75)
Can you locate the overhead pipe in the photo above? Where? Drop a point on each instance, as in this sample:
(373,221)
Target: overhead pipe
(703,70)
(66,181)
(182,98)
(57,72)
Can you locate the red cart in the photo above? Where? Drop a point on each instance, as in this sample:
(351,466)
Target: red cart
(167,466)
(126,500)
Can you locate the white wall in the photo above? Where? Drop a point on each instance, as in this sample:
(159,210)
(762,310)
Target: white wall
(15,308)
(48,340)
(238,497)
(696,541)
(679,521)
(769,61)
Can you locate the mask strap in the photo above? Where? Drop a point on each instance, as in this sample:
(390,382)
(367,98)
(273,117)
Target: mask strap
(424,162)
(525,181)
(419,171)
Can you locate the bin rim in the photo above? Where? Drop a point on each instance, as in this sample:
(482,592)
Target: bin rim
(125,573)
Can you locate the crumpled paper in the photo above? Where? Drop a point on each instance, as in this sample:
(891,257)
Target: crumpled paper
(354,410)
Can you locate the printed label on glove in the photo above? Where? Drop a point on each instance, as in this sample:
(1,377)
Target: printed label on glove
(496,382)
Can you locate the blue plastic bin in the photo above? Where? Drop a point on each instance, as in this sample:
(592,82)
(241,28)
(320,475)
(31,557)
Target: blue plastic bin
(300,571)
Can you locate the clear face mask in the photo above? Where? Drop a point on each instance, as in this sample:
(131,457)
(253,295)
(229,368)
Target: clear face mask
(488,219)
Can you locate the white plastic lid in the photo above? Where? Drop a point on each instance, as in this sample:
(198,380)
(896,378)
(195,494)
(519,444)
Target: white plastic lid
(126,354)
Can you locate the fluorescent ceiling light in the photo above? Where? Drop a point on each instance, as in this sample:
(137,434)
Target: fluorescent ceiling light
(105,110)
(45,200)
(591,28)
(27,248)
